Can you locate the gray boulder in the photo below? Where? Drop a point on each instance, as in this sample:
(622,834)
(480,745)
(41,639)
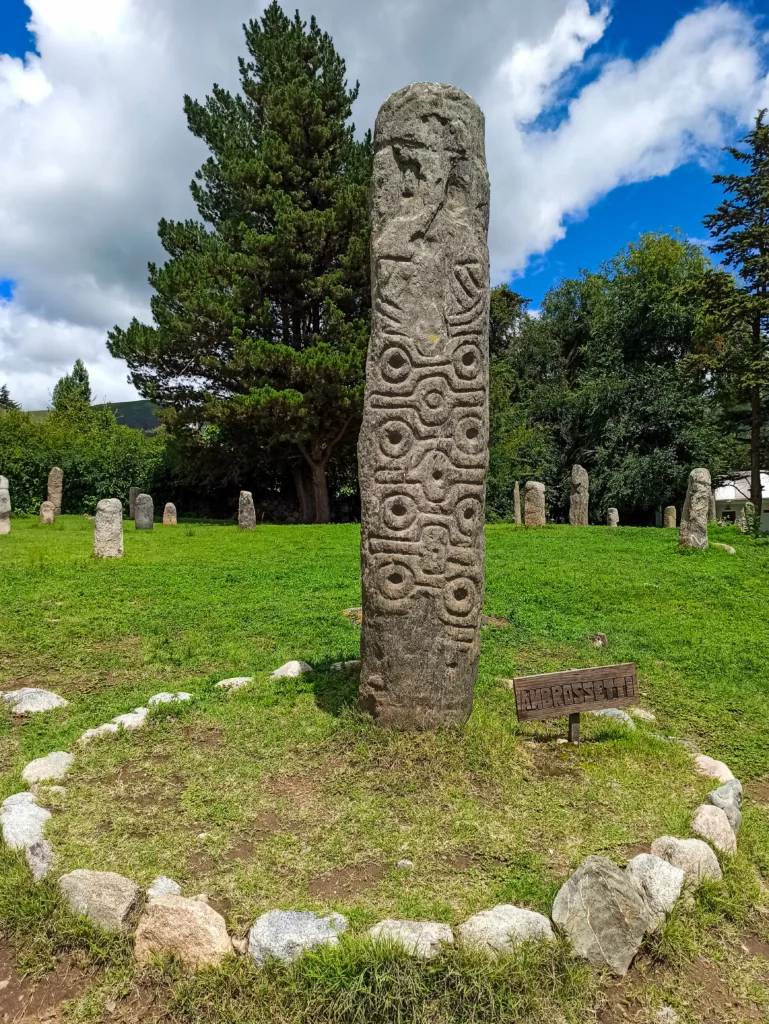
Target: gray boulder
(144,513)
(164,886)
(712,824)
(502,928)
(108,900)
(291,670)
(168,698)
(695,858)
(97,733)
(660,882)
(52,767)
(22,821)
(132,720)
(287,934)
(235,683)
(603,911)
(729,798)
(424,939)
(30,700)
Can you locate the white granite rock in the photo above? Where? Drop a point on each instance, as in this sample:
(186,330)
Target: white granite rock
(616,715)
(30,699)
(22,821)
(501,929)
(168,698)
(99,731)
(712,769)
(287,934)
(187,928)
(105,898)
(424,939)
(164,886)
(133,720)
(405,864)
(236,683)
(661,883)
(712,824)
(291,670)
(52,767)
(695,858)
(40,859)
(729,798)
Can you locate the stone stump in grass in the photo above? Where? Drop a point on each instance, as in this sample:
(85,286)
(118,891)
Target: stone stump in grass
(670,517)
(5,506)
(133,494)
(423,448)
(108,529)
(694,518)
(144,513)
(56,489)
(534,503)
(169,515)
(246,511)
(580,496)
(517,504)
(47,513)
(612,517)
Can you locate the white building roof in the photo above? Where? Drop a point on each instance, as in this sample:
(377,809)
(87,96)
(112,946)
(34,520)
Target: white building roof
(738,489)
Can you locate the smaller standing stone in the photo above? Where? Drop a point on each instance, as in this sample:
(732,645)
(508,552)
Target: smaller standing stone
(670,517)
(246,511)
(144,514)
(712,517)
(108,529)
(729,798)
(47,513)
(169,515)
(612,517)
(5,506)
(694,518)
(424,939)
(56,489)
(517,504)
(534,503)
(105,898)
(133,494)
(580,496)
(712,824)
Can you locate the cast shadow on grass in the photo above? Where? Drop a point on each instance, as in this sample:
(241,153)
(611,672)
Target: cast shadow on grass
(334,691)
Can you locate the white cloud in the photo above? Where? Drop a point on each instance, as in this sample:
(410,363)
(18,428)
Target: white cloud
(95,147)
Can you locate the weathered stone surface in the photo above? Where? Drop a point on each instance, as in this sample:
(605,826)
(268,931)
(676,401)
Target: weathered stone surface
(47,514)
(346,666)
(615,715)
(164,886)
(712,517)
(599,640)
(694,518)
(729,798)
(5,506)
(517,504)
(712,824)
(52,767)
(97,732)
(133,494)
(405,864)
(56,489)
(725,547)
(660,882)
(695,858)
(106,899)
(40,859)
(30,700)
(670,516)
(246,511)
(291,670)
(191,930)
(502,928)
(168,698)
(712,769)
(236,683)
(144,512)
(643,714)
(423,448)
(422,938)
(169,515)
(534,503)
(108,529)
(132,720)
(22,821)
(580,496)
(612,517)
(602,910)
(286,934)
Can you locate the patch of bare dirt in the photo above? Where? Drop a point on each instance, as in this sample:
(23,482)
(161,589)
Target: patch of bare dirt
(348,881)
(302,788)
(758,790)
(755,945)
(207,736)
(123,645)
(247,847)
(631,850)
(24,999)
(554,762)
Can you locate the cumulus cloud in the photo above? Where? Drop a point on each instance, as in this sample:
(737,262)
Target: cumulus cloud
(95,147)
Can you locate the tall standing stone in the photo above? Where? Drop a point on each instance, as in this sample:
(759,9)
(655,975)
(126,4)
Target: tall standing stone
(47,513)
(694,518)
(56,489)
(246,511)
(5,506)
(534,503)
(580,496)
(612,517)
(144,513)
(108,529)
(669,517)
(517,504)
(133,494)
(169,515)
(712,515)
(423,448)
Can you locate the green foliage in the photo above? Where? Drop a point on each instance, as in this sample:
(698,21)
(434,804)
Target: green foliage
(261,314)
(6,402)
(73,390)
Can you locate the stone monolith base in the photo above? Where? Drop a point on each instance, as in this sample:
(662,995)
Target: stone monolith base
(423,448)
(534,503)
(56,489)
(670,516)
(517,504)
(612,517)
(144,512)
(5,506)
(694,518)
(246,511)
(169,515)
(108,529)
(47,513)
(580,496)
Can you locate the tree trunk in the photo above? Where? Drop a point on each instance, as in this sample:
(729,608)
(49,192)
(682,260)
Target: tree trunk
(755,429)
(305,498)
(320,491)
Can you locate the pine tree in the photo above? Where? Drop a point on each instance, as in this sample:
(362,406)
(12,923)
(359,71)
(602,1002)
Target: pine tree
(6,402)
(261,314)
(740,225)
(73,390)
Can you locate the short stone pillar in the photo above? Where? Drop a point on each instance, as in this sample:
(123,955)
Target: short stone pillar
(517,504)
(694,518)
(423,447)
(246,511)
(712,516)
(108,529)
(47,513)
(56,489)
(5,506)
(144,513)
(169,515)
(580,496)
(534,503)
(612,517)
(670,516)
(133,494)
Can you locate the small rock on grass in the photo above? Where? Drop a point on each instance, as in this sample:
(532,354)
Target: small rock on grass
(236,683)
(30,699)
(105,898)
(712,824)
(187,928)
(695,858)
(291,670)
(346,666)
(22,821)
(615,715)
(643,714)
(164,886)
(405,865)
(666,1015)
(168,698)
(97,733)
(712,769)
(502,928)
(421,938)
(725,547)
(598,640)
(52,767)
(729,798)
(40,859)
(287,934)
(661,883)
(133,720)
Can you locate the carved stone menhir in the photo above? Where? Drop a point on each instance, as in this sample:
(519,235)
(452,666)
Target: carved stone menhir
(534,503)
(56,489)
(5,506)
(517,504)
(423,448)
(144,512)
(108,529)
(694,518)
(169,515)
(670,516)
(580,495)
(246,511)
(612,517)
(47,513)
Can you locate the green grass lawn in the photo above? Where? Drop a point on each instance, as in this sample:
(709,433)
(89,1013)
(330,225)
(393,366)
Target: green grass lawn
(282,795)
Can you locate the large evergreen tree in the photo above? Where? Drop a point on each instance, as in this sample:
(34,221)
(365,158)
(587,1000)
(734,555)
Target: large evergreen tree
(261,315)
(73,390)
(6,402)
(740,225)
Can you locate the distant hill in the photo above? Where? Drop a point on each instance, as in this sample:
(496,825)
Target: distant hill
(140,415)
